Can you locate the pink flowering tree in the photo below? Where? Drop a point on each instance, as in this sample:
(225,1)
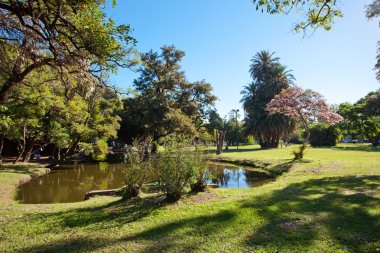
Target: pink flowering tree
(305,107)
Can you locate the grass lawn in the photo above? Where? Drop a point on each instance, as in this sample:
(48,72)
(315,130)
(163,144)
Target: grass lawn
(328,202)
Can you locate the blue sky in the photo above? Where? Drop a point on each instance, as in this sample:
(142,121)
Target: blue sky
(220,37)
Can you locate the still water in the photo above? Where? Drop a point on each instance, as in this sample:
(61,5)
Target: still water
(69,183)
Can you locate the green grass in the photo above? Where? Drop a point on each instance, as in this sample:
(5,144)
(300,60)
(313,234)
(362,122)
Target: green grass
(328,202)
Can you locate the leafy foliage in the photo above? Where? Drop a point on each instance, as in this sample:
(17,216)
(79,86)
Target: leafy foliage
(138,169)
(323,135)
(318,13)
(269,78)
(71,37)
(164,102)
(180,168)
(305,107)
(46,112)
(362,119)
(217,127)
(100,150)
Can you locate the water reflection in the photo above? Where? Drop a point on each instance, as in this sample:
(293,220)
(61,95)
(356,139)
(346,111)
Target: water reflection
(70,183)
(235,177)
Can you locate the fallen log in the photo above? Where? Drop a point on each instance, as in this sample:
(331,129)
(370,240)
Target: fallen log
(110,192)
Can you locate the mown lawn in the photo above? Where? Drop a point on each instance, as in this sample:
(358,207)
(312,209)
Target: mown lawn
(329,202)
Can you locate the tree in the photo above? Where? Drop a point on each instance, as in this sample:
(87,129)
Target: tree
(305,107)
(323,135)
(5,124)
(362,119)
(164,102)
(269,78)
(372,103)
(72,37)
(217,126)
(44,111)
(318,13)
(234,128)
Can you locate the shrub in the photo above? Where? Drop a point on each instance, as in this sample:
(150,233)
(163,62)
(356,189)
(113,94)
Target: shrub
(137,169)
(323,135)
(178,168)
(100,150)
(198,157)
(295,138)
(250,140)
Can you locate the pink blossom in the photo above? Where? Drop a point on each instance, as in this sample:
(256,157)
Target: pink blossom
(305,106)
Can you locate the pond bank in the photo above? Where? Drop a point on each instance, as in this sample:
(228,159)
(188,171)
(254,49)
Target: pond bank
(329,204)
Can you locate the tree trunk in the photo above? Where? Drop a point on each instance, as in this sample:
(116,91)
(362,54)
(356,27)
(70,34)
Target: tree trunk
(299,155)
(53,153)
(1,148)
(23,145)
(6,90)
(219,141)
(59,154)
(374,141)
(28,152)
(71,150)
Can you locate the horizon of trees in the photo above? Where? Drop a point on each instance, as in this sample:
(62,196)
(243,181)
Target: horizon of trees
(54,89)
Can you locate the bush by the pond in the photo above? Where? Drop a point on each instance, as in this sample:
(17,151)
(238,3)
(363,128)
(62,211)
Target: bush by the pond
(179,168)
(199,161)
(137,169)
(100,150)
(323,135)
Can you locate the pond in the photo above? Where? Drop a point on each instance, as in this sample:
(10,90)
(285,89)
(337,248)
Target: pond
(69,183)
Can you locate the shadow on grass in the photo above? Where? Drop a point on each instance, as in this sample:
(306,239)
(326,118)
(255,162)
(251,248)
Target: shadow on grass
(163,238)
(338,207)
(114,214)
(68,245)
(281,168)
(340,211)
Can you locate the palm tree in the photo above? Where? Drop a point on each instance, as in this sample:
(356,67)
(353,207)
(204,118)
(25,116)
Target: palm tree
(262,65)
(270,77)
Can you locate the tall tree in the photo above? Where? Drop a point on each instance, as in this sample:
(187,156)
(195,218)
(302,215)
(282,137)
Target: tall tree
(305,107)
(217,127)
(69,36)
(45,111)
(269,78)
(362,119)
(234,128)
(165,102)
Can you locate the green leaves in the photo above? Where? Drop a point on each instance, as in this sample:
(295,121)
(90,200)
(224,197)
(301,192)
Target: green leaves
(164,102)
(318,13)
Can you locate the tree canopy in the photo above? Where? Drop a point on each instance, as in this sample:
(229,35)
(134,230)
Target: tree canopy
(362,119)
(71,37)
(164,102)
(305,107)
(269,78)
(318,13)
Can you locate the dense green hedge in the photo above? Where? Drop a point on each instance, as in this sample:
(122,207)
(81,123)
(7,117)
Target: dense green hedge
(323,135)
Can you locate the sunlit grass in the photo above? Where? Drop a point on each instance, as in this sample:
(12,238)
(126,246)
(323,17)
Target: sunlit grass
(328,202)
